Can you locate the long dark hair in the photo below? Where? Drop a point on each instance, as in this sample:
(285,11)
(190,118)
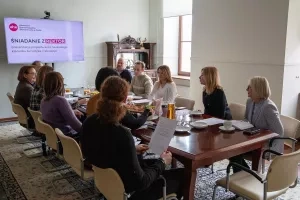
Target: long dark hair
(53,85)
(41,75)
(113,92)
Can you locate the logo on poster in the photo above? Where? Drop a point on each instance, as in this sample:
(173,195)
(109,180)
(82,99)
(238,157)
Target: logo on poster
(13,27)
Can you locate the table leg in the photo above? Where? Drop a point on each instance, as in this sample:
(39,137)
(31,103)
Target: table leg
(256,157)
(189,183)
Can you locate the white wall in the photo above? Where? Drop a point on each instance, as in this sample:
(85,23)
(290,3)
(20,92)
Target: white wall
(102,20)
(291,80)
(242,39)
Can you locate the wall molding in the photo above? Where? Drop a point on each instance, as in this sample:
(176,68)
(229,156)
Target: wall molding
(9,119)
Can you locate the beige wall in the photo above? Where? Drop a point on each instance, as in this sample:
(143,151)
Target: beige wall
(291,81)
(241,38)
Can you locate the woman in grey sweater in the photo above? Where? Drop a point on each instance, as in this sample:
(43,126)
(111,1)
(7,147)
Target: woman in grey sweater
(262,113)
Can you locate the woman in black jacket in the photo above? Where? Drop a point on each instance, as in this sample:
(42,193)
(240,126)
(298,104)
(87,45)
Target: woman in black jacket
(107,144)
(213,97)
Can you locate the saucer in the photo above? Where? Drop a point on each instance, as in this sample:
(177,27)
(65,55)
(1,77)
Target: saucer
(152,117)
(196,113)
(182,129)
(226,130)
(199,124)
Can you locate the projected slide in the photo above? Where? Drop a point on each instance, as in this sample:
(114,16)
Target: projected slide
(28,40)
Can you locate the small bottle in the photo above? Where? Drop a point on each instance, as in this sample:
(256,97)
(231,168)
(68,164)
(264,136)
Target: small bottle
(171,111)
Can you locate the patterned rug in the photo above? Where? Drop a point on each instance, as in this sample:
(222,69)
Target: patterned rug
(24,178)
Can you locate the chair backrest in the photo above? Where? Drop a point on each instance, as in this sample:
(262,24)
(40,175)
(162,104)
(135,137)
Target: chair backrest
(10,97)
(283,171)
(72,152)
(290,126)
(109,183)
(21,113)
(183,102)
(49,132)
(237,111)
(35,115)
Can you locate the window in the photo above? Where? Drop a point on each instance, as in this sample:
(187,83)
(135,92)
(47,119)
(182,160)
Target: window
(185,44)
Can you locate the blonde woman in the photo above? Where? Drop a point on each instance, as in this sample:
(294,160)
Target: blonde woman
(214,98)
(165,87)
(262,113)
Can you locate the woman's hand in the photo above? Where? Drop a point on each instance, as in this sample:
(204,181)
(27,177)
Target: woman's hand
(141,148)
(82,101)
(78,113)
(167,157)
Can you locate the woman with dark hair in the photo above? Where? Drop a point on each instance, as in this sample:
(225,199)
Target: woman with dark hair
(38,91)
(128,120)
(102,74)
(55,109)
(107,144)
(26,78)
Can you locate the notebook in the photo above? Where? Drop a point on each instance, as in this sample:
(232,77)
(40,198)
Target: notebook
(241,125)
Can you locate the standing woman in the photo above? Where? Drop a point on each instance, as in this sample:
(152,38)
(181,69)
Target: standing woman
(213,97)
(165,87)
(38,91)
(55,109)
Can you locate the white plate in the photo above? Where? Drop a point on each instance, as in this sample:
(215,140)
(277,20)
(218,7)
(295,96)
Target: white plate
(196,112)
(199,124)
(132,97)
(152,117)
(182,129)
(226,130)
(179,108)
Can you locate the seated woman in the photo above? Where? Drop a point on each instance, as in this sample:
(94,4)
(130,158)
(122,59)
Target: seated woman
(141,84)
(38,91)
(26,78)
(55,109)
(107,144)
(213,97)
(262,113)
(128,120)
(164,88)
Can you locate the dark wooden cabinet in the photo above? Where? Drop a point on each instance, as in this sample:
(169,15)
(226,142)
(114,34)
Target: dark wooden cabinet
(131,50)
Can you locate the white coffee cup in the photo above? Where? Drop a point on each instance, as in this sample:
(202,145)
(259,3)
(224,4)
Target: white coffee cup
(227,124)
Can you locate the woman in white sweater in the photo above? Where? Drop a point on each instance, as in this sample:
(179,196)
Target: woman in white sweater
(165,87)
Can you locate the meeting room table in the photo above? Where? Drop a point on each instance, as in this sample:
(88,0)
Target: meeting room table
(199,148)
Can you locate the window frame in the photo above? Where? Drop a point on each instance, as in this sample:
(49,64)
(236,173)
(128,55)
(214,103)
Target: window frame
(180,41)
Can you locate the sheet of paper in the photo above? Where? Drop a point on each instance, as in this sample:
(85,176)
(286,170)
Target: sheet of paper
(140,101)
(162,135)
(242,125)
(212,121)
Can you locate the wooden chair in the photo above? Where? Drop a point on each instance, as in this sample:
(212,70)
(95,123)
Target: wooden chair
(23,121)
(111,186)
(73,156)
(52,144)
(183,102)
(237,111)
(250,185)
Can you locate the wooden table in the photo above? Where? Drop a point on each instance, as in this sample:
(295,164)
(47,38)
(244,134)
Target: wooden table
(199,148)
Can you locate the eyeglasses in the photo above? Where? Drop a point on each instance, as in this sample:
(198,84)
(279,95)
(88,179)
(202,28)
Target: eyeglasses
(33,73)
